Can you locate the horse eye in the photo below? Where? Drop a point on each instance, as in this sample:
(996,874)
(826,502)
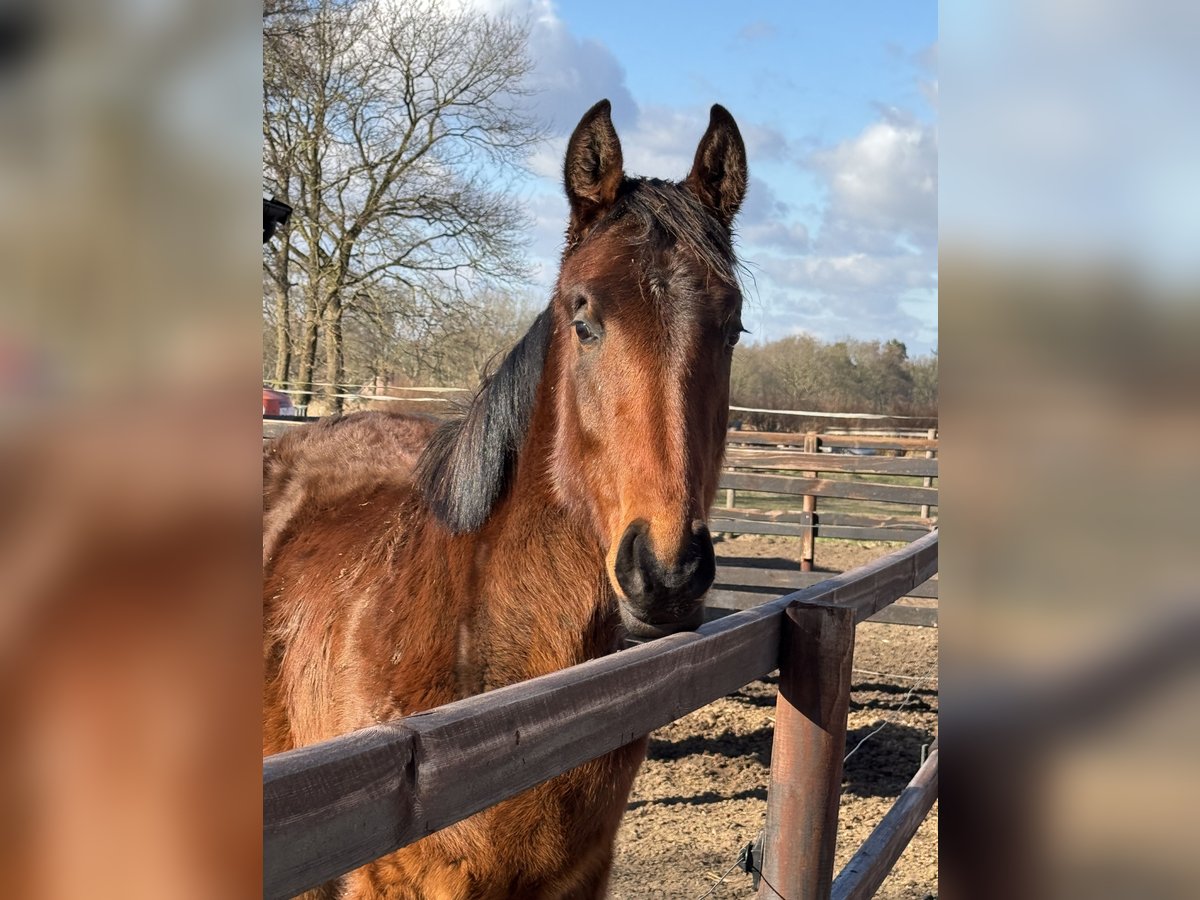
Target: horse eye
(733,336)
(584,332)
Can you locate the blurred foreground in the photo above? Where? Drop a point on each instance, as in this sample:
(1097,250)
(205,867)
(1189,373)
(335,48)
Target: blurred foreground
(1070,320)
(1071,624)
(129,630)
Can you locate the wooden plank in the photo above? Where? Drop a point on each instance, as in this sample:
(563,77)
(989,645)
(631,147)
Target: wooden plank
(730,574)
(815,672)
(332,807)
(796,439)
(896,614)
(870,521)
(852,533)
(725,525)
(877,432)
(733,600)
(747,458)
(787,438)
(867,868)
(766,438)
(760,581)
(847,490)
(722,525)
(784,579)
(925,561)
(764,515)
(860,442)
(523,734)
(825,518)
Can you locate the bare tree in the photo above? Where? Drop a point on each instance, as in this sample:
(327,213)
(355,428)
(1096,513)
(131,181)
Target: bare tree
(391,128)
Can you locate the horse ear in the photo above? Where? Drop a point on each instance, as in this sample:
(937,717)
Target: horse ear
(719,174)
(593,169)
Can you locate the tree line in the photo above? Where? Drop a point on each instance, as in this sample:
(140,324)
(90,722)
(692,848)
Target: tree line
(801,372)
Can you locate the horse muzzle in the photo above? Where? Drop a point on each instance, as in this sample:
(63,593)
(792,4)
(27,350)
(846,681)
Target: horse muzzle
(660,599)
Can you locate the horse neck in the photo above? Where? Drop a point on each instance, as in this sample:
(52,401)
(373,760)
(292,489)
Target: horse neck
(545,580)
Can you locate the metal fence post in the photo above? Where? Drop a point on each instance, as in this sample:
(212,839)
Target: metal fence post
(816,656)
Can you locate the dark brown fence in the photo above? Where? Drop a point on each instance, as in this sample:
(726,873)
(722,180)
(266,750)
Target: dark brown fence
(334,806)
(812,485)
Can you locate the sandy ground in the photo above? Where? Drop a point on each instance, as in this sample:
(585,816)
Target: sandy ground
(701,794)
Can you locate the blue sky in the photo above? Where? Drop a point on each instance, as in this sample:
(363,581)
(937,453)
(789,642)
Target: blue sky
(838,106)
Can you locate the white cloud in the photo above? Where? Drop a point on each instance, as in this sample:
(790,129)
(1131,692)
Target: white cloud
(869,283)
(780,235)
(885,180)
(571,73)
(872,260)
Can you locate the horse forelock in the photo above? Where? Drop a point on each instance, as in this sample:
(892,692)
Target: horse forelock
(468,463)
(666,212)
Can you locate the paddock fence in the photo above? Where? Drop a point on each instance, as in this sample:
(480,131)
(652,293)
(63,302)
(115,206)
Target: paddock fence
(871,485)
(332,807)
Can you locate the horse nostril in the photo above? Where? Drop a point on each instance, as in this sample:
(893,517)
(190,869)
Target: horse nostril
(659,591)
(629,567)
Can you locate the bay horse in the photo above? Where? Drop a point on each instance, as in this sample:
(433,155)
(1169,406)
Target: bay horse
(409,564)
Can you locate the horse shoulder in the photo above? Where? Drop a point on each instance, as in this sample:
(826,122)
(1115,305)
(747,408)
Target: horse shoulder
(342,523)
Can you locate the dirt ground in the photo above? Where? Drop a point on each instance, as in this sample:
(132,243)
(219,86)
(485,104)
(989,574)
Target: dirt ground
(701,794)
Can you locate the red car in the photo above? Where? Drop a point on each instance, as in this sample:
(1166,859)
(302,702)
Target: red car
(277,403)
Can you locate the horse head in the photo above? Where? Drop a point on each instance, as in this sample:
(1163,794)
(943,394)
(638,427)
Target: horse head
(645,316)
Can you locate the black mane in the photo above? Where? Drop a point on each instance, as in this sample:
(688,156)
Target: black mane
(468,462)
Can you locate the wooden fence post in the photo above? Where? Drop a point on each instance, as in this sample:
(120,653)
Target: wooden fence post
(808,538)
(816,656)
(928,482)
(730,501)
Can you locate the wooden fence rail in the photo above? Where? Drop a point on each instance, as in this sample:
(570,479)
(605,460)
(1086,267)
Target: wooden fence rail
(744,457)
(826,487)
(861,877)
(840,441)
(763,467)
(334,806)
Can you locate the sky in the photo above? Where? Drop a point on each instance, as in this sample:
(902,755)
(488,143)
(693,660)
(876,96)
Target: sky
(838,105)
